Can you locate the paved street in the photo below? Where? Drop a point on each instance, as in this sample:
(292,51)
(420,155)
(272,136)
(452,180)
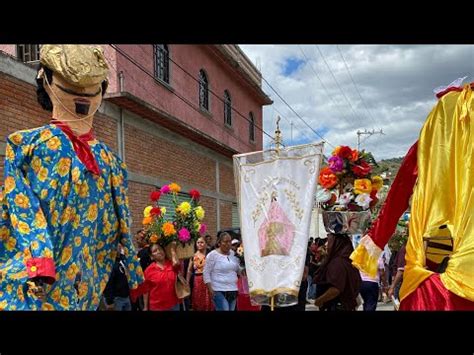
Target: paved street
(380,307)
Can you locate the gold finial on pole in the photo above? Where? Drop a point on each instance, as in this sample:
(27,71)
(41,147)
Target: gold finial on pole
(278,137)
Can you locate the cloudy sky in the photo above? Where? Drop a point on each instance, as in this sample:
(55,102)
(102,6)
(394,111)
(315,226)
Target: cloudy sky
(338,90)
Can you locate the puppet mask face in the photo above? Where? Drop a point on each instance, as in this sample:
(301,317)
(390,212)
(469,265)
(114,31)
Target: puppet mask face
(82,101)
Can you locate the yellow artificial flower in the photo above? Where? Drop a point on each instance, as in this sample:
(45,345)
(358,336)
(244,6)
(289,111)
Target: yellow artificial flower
(362,186)
(146,211)
(163,210)
(200,213)
(197,226)
(336,150)
(377,183)
(184,208)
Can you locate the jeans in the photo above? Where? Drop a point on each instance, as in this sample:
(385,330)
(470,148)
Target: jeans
(370,294)
(174,308)
(225,300)
(311,294)
(122,304)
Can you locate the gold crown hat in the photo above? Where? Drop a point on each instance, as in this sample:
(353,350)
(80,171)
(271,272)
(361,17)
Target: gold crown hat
(80,65)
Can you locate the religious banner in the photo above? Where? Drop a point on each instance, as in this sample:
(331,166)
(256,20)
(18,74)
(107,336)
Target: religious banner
(275,189)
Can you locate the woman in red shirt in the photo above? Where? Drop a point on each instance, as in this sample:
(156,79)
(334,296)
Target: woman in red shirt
(160,280)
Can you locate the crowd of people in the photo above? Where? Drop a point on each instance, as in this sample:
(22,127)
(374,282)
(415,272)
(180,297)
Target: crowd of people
(218,282)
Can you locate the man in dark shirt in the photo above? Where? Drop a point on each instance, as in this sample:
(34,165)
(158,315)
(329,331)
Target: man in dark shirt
(117,291)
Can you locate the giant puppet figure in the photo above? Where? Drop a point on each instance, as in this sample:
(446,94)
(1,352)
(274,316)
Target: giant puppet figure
(438,175)
(64,203)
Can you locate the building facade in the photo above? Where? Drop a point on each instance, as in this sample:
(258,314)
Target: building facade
(173,113)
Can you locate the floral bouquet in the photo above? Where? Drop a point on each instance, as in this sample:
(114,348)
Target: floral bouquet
(349,191)
(183,226)
(347,183)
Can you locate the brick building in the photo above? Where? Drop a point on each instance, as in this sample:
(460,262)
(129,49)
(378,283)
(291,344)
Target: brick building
(171,112)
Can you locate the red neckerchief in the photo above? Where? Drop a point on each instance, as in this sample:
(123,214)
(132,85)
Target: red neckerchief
(81,146)
(439,95)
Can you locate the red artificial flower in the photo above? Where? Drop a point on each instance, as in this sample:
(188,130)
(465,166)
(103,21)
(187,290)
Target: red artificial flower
(155,211)
(327,178)
(345,152)
(155,195)
(361,170)
(354,155)
(195,194)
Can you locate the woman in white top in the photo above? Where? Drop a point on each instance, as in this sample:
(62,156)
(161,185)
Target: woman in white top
(220,274)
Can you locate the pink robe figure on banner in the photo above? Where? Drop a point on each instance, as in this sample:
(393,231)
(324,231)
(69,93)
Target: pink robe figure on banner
(276,233)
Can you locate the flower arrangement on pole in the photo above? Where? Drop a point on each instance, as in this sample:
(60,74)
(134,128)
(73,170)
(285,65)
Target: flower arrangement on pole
(348,190)
(184,226)
(347,183)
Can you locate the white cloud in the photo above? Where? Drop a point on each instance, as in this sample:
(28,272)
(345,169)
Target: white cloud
(396,83)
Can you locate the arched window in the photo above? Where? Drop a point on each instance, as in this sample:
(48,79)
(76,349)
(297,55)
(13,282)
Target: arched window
(162,62)
(203,90)
(227,108)
(251,127)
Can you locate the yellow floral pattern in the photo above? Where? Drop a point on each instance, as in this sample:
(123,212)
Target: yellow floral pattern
(54,208)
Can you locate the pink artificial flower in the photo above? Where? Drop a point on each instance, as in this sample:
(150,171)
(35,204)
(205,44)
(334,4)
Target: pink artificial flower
(165,189)
(336,164)
(184,235)
(202,229)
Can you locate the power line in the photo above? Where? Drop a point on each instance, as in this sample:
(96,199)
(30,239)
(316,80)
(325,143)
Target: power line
(336,105)
(355,85)
(291,123)
(296,113)
(179,96)
(339,86)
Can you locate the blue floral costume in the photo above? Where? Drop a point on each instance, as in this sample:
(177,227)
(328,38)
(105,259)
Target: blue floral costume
(59,221)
